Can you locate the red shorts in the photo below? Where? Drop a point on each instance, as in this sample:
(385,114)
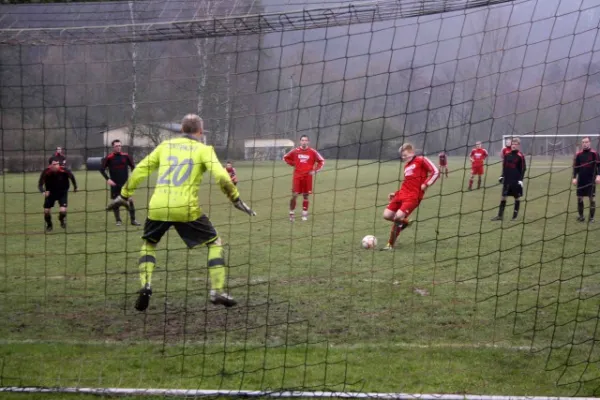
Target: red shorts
(303,184)
(406,205)
(477,170)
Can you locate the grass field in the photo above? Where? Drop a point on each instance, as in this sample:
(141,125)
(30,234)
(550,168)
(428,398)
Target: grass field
(464,305)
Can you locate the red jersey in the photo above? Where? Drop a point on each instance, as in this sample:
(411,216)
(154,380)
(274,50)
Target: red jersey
(506,150)
(478,156)
(231,172)
(417,172)
(304,160)
(443,159)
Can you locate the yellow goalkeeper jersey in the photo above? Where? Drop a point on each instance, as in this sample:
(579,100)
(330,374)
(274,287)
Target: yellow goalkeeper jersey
(180,163)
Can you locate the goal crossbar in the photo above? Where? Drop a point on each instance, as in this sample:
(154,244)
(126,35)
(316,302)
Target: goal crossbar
(281,394)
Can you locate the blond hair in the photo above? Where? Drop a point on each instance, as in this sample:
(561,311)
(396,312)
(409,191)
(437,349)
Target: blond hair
(517,140)
(192,123)
(407,147)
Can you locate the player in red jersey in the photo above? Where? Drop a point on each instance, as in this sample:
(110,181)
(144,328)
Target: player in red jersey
(443,163)
(419,174)
(232,173)
(306,162)
(478,156)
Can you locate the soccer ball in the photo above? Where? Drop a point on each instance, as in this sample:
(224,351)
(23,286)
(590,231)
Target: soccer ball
(369,242)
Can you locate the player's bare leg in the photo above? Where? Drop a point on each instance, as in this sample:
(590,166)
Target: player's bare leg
(581,218)
(48,219)
(146,265)
(293,206)
(399,223)
(132,213)
(218,275)
(62,216)
(501,209)
(305,207)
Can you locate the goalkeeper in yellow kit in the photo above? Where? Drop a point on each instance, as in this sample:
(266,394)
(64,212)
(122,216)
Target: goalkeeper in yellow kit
(180,163)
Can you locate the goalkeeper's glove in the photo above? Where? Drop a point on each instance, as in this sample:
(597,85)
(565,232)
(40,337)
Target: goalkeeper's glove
(500,179)
(240,205)
(118,202)
(520,183)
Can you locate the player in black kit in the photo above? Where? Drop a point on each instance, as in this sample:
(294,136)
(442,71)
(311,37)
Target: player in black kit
(54,184)
(513,172)
(586,174)
(118,164)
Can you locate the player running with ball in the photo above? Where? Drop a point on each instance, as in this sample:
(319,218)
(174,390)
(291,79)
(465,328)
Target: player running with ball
(180,163)
(419,174)
(586,174)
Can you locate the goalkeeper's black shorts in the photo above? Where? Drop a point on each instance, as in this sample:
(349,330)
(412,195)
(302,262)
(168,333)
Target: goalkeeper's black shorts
(61,197)
(512,189)
(193,233)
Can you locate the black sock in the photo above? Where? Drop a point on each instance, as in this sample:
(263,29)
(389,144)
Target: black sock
(501,209)
(131,211)
(117,213)
(478,183)
(62,215)
(580,207)
(516,210)
(48,219)
(592,208)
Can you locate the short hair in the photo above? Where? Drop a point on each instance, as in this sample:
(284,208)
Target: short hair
(228,162)
(304,136)
(192,123)
(407,147)
(478,142)
(517,140)
(115,141)
(586,137)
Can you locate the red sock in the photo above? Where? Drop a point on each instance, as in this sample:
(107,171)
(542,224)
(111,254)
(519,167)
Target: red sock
(395,232)
(305,205)
(470,183)
(292,204)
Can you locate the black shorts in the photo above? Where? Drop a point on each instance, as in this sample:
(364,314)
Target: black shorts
(115,191)
(61,197)
(194,233)
(512,189)
(586,189)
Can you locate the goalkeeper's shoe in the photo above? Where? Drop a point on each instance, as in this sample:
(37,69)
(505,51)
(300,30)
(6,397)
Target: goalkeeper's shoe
(135,223)
(222,298)
(63,224)
(497,218)
(49,228)
(143,299)
(581,218)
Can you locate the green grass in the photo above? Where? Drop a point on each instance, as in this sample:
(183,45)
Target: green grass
(464,305)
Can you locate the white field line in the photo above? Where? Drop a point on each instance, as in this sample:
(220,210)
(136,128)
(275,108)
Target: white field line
(357,346)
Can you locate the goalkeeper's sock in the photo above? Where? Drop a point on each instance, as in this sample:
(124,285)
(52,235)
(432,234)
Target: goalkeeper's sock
(478,183)
(305,205)
(216,268)
(592,209)
(131,211)
(117,213)
(502,207)
(580,207)
(470,183)
(61,216)
(516,209)
(146,263)
(48,219)
(293,204)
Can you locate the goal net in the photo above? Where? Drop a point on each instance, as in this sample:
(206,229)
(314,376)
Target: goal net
(462,304)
